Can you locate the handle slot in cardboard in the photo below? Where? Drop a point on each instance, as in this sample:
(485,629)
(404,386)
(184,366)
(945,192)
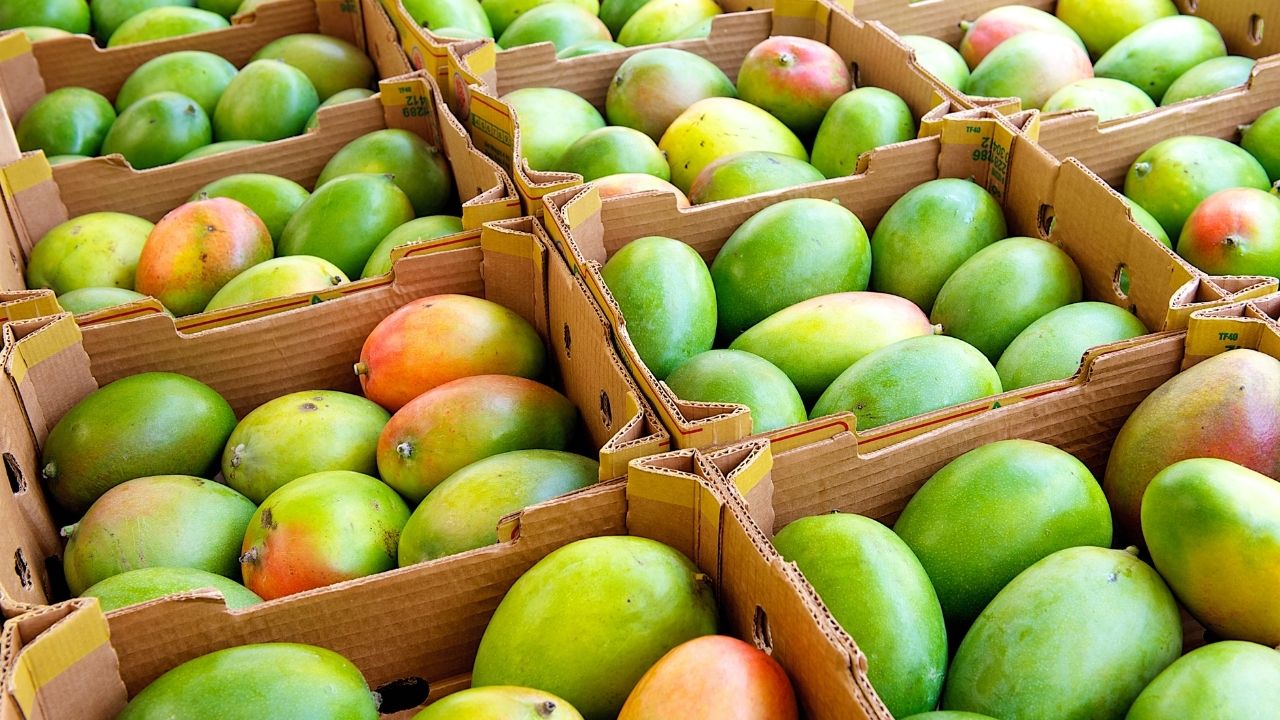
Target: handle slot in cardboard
(606,409)
(17,481)
(403,694)
(568,342)
(22,569)
(1255,29)
(760,633)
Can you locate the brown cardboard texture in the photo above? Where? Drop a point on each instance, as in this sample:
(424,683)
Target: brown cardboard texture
(480,76)
(1060,202)
(414,632)
(1253,324)
(51,363)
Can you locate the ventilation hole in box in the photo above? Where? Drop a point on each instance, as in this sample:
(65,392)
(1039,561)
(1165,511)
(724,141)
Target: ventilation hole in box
(17,483)
(1193,6)
(856,72)
(568,341)
(22,569)
(1045,220)
(403,694)
(1120,281)
(1255,29)
(760,632)
(606,410)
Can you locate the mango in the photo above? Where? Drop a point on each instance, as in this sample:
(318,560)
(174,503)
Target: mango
(160,23)
(276,278)
(734,376)
(928,233)
(462,513)
(465,14)
(653,87)
(1160,52)
(249,6)
(331,64)
(713,676)
(995,511)
(1260,139)
(718,126)
(1209,77)
(1234,232)
(37,33)
(1076,636)
(201,76)
(92,299)
(417,168)
(142,425)
(614,150)
(272,198)
(414,231)
(196,249)
(1052,347)
(61,159)
(748,173)
(218,148)
(1175,175)
(499,703)
(345,219)
(588,47)
(667,300)
(108,15)
(225,8)
(697,31)
(159,521)
(1146,221)
(795,79)
(994,26)
(550,121)
(665,20)
(1110,99)
(1031,66)
(437,339)
(338,98)
(878,592)
(560,23)
(615,604)
(69,15)
(67,121)
(157,130)
(858,122)
(282,681)
(150,583)
(1213,529)
(1103,23)
(1226,407)
(949,715)
(629,183)
(502,13)
(939,58)
(1228,680)
(267,100)
(616,13)
(95,250)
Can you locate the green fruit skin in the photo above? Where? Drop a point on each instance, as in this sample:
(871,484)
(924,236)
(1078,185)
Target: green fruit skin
(747,173)
(414,231)
(275,278)
(878,592)
(1174,176)
(1229,680)
(1103,23)
(282,681)
(218,148)
(613,150)
(69,15)
(652,87)
(1002,289)
(417,168)
(225,8)
(462,513)
(1051,348)
(267,100)
(995,511)
(1110,99)
(1262,140)
(1157,54)
(667,300)
(161,521)
(502,13)
(272,198)
(108,15)
(1031,66)
(68,121)
(143,425)
(949,715)
(504,703)
(338,98)
(201,76)
(615,604)
(1209,77)
(859,121)
(157,130)
(61,159)
(37,33)
(734,376)
(909,378)
(1213,529)
(616,13)
(550,120)
(589,47)
(1147,222)
(150,583)
(165,22)
(939,58)
(299,434)
(465,14)
(787,253)
(928,233)
(92,299)
(815,340)
(1077,636)
(713,128)
(664,20)
(95,250)
(331,64)
(345,219)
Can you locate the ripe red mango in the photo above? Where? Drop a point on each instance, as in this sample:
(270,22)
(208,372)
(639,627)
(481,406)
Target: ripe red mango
(795,79)
(1234,232)
(999,24)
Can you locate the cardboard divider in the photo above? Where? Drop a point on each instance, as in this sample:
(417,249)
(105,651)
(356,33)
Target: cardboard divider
(51,363)
(1253,324)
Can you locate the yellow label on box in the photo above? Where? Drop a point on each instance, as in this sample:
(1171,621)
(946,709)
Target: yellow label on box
(26,173)
(54,652)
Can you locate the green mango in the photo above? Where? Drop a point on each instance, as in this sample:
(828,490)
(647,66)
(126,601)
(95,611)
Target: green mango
(277,278)
(948,715)
(1160,52)
(995,511)
(665,20)
(95,250)
(1146,221)
(148,424)
(1209,77)
(1051,348)
(859,121)
(502,13)
(1110,99)
(461,34)
(653,87)
(718,126)
(878,592)
(939,58)
(158,130)
(331,64)
(1103,23)
(550,120)
(67,121)
(1031,66)
(281,681)
(734,376)
(588,47)
(500,702)
(69,15)
(150,583)
(160,521)
(161,23)
(462,513)
(201,76)
(667,300)
(787,253)
(272,198)
(268,100)
(1175,175)
(747,173)
(225,8)
(249,6)
(1002,289)
(1228,680)
(37,33)
(464,14)
(338,98)
(1076,636)
(345,219)
(616,13)
(559,23)
(616,605)
(928,233)
(418,169)
(1262,140)
(613,150)
(697,31)
(218,148)
(92,299)
(108,15)
(62,159)
(419,230)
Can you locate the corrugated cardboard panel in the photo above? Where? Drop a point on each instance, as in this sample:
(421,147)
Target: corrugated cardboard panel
(1253,324)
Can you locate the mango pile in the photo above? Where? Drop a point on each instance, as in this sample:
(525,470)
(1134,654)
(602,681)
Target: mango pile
(114,23)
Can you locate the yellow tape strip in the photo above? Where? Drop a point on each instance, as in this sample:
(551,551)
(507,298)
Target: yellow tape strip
(55,651)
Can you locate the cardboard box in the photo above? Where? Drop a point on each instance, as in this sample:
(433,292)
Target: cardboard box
(479,76)
(51,363)
(1061,202)
(414,632)
(1253,324)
